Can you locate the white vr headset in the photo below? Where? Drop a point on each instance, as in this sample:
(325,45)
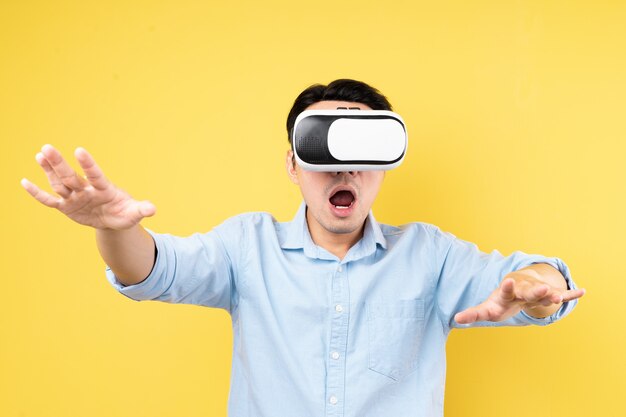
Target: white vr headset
(349,140)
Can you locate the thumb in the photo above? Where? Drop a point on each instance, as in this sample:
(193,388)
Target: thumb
(146,208)
(507,289)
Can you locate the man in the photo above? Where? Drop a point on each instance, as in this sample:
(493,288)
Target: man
(333,313)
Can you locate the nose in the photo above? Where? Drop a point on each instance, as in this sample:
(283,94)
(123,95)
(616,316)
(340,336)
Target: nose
(347,173)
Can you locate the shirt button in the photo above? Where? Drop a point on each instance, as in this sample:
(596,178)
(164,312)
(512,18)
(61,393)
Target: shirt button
(340,269)
(338,308)
(333,400)
(334,355)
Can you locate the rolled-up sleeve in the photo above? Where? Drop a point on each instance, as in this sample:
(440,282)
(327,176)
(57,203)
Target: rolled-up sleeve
(564,310)
(188,270)
(468,276)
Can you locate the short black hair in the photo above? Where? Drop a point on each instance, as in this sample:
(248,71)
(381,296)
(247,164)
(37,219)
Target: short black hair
(338,90)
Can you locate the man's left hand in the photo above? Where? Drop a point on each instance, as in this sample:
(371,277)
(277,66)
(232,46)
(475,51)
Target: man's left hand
(520,290)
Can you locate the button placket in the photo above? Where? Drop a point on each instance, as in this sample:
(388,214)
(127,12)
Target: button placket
(335,382)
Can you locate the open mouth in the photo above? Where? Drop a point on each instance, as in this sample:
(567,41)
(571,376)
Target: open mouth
(342,199)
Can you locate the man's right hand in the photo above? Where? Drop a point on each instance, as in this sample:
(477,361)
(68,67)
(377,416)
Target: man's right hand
(91,200)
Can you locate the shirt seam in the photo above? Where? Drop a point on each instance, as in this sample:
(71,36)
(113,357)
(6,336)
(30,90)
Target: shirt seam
(232,267)
(444,323)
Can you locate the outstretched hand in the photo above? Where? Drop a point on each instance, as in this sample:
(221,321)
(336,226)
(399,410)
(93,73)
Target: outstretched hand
(518,291)
(91,200)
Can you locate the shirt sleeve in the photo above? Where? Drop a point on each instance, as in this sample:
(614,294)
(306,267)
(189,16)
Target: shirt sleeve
(467,276)
(188,270)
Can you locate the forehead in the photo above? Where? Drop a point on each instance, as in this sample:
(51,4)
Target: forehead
(333,104)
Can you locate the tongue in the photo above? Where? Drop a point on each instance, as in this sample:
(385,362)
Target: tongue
(342,198)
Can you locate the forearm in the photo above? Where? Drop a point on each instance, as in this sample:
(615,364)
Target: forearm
(547,274)
(130,253)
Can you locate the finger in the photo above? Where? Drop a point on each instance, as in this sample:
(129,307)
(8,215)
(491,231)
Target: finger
(555,296)
(507,289)
(573,294)
(146,209)
(135,212)
(465,317)
(551,296)
(534,292)
(40,195)
(93,173)
(65,173)
(473,314)
(53,178)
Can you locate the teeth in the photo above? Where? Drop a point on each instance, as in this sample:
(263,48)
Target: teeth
(342,207)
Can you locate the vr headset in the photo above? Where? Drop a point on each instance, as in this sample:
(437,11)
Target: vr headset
(349,140)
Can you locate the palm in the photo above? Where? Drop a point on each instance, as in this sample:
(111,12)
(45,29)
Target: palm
(109,208)
(499,307)
(93,200)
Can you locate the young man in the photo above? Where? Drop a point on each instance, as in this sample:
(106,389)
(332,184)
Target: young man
(333,313)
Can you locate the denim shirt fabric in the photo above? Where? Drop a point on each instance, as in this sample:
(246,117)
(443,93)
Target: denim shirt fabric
(318,336)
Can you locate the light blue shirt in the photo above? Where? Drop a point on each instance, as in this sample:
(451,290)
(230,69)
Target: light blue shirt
(318,336)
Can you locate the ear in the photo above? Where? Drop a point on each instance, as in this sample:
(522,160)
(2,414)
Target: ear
(290,165)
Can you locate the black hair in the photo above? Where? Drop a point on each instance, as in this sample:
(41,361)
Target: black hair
(338,90)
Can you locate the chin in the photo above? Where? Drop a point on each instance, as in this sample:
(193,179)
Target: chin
(343,227)
(341,230)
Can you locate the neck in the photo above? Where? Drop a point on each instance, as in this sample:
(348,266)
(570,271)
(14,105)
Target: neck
(336,243)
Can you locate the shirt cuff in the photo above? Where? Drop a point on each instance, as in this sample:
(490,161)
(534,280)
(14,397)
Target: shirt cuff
(147,289)
(565,308)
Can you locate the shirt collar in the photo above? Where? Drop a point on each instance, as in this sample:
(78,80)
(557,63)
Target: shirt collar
(295,235)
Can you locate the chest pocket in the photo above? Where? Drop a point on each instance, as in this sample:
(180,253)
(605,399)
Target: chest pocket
(395,335)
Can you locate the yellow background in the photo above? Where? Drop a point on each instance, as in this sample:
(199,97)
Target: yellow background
(516,115)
